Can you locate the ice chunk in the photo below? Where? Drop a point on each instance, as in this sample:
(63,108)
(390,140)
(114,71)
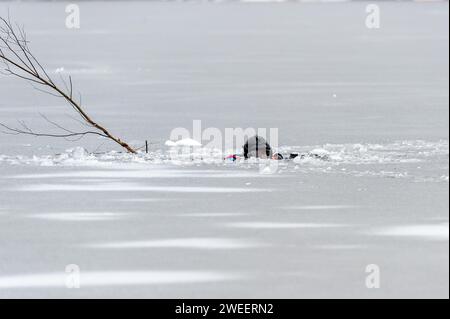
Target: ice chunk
(77,153)
(170,143)
(183,142)
(320,152)
(188,142)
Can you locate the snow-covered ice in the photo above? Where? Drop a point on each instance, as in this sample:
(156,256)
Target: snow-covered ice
(432,232)
(84,216)
(116,278)
(191,243)
(277,225)
(366,109)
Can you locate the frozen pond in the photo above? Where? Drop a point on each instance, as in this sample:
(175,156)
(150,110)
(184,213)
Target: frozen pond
(375,101)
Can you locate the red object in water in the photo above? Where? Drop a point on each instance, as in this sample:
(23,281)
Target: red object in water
(232,157)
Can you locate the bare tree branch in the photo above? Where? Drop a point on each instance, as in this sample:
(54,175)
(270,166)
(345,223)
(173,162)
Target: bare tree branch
(27,131)
(20,62)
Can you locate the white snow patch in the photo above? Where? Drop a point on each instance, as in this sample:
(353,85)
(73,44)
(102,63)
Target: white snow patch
(78,153)
(86,70)
(114,278)
(170,143)
(320,207)
(212,214)
(187,243)
(269,170)
(138,173)
(437,232)
(183,142)
(130,187)
(84,216)
(277,225)
(340,247)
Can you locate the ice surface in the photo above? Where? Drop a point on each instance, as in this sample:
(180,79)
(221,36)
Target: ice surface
(187,142)
(113,278)
(320,207)
(180,222)
(213,215)
(130,187)
(415,158)
(432,232)
(276,225)
(84,216)
(190,243)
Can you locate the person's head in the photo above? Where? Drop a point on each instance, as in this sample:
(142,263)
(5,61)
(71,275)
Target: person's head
(257,146)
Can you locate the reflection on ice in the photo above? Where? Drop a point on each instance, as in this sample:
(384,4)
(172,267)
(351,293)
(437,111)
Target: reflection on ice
(340,247)
(276,225)
(188,243)
(114,278)
(139,173)
(131,187)
(140,200)
(438,232)
(319,207)
(82,216)
(212,214)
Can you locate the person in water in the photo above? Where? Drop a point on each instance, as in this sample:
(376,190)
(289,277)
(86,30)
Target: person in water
(257,147)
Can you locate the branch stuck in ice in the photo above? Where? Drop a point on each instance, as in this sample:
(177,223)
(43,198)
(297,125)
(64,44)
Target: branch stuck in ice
(21,63)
